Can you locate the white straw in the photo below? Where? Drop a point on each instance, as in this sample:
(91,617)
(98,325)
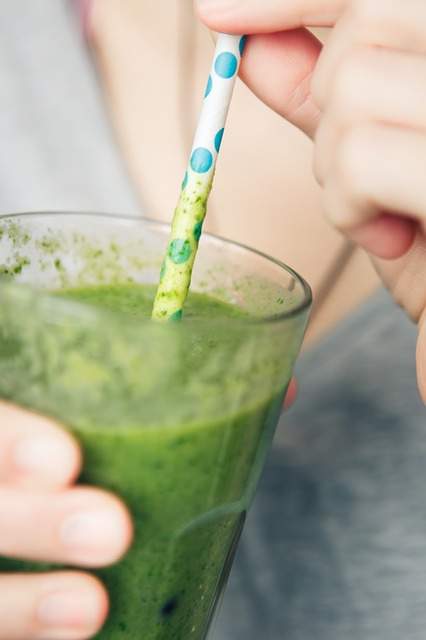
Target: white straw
(191,210)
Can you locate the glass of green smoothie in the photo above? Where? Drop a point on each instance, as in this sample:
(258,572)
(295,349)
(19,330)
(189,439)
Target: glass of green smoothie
(176,418)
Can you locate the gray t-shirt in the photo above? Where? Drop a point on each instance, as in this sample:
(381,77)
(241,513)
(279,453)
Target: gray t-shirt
(57,149)
(335,545)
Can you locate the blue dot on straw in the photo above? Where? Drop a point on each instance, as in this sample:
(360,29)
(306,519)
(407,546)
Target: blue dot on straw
(201,160)
(198,227)
(185,181)
(176,316)
(218,139)
(243,43)
(208,87)
(179,250)
(226,65)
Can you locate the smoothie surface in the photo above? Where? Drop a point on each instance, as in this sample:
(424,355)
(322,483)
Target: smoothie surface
(137,300)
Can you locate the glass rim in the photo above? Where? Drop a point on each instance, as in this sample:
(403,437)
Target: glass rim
(300,308)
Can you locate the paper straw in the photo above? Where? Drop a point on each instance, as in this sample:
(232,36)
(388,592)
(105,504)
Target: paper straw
(190,212)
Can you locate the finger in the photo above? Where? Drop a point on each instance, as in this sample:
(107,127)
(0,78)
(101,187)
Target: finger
(387,237)
(267,16)
(291,394)
(398,25)
(35,451)
(56,606)
(278,69)
(371,85)
(376,169)
(406,278)
(81,526)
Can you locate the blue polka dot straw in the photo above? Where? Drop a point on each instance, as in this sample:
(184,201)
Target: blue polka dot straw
(190,212)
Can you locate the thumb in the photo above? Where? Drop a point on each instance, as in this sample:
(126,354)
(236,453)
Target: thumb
(268,16)
(277,64)
(278,68)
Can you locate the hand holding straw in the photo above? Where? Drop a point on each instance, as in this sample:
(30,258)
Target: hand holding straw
(190,212)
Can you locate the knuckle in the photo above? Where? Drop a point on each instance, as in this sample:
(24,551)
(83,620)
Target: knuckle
(348,86)
(350,161)
(319,154)
(375,22)
(367,13)
(301,98)
(318,167)
(207,12)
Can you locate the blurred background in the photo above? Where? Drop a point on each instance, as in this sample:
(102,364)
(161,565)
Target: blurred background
(99,101)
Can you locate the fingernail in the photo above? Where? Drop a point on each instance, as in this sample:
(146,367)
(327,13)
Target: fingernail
(35,455)
(97,533)
(65,609)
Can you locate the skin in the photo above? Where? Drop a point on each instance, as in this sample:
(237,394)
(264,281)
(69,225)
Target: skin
(81,526)
(362,100)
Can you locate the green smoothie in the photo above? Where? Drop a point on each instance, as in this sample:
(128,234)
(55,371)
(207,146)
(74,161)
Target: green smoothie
(187,481)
